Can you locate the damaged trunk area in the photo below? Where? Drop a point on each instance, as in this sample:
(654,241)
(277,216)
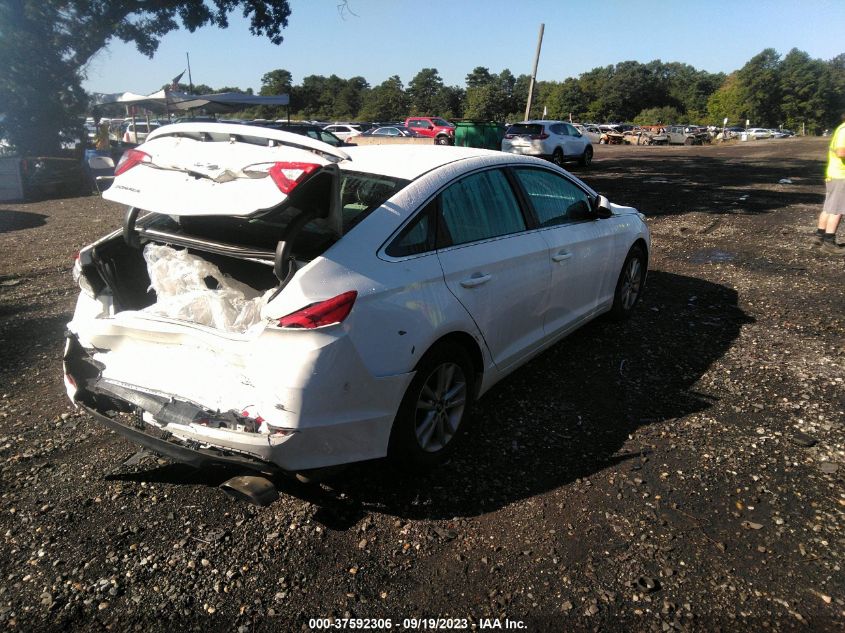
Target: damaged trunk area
(230,390)
(201,287)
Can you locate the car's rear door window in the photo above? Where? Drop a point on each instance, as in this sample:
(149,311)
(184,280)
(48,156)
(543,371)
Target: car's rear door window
(419,236)
(555,199)
(480,206)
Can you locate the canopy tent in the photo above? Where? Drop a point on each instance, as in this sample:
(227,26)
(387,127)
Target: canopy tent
(161,101)
(165,101)
(228,102)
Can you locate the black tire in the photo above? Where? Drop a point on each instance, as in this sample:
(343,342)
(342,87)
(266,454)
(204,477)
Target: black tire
(557,157)
(441,140)
(688,141)
(451,367)
(586,157)
(629,287)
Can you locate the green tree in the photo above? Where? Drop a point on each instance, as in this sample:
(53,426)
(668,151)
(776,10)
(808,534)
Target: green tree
(449,102)
(385,102)
(276,82)
(45,46)
(350,99)
(424,90)
(806,86)
(728,102)
(760,81)
(663,115)
(480,76)
(40,88)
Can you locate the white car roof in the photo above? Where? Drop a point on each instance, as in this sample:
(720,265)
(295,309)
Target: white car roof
(411,161)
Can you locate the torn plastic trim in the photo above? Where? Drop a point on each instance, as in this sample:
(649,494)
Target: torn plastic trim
(162,444)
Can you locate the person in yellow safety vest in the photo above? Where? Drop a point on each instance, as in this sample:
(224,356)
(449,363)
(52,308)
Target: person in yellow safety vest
(101,140)
(834,201)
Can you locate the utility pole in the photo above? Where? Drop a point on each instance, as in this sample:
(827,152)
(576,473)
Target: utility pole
(190,81)
(534,73)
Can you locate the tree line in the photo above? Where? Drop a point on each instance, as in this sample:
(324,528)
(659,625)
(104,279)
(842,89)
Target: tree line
(769,91)
(46,46)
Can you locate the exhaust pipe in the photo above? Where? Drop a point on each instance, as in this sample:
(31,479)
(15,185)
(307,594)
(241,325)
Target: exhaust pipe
(258,491)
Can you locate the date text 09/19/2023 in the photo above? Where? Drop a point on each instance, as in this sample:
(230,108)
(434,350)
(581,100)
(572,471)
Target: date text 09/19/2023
(415,624)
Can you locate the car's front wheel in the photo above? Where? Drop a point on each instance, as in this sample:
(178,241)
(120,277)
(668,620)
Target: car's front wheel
(432,414)
(442,140)
(629,287)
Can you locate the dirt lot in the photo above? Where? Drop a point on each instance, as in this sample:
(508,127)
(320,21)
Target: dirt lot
(681,471)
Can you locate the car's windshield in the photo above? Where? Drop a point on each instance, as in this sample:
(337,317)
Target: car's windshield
(441,122)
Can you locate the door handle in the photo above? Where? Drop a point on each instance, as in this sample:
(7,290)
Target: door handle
(561,256)
(476,280)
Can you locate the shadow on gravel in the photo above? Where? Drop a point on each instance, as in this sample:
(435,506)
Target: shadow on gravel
(23,338)
(20,220)
(679,184)
(564,416)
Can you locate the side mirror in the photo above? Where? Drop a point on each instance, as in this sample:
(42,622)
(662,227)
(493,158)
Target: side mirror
(602,207)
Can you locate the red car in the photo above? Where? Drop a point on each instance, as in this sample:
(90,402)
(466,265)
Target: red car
(434,127)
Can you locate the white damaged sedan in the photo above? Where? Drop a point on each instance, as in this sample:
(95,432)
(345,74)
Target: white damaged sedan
(275,302)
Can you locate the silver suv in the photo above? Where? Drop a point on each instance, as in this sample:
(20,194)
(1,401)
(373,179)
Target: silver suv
(556,140)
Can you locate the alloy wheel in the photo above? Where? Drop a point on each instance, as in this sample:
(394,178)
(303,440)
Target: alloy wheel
(631,283)
(440,406)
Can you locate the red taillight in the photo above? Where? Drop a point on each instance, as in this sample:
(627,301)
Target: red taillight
(327,312)
(510,135)
(130,158)
(289,175)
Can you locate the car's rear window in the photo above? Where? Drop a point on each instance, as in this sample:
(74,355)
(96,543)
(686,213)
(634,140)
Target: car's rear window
(525,128)
(360,194)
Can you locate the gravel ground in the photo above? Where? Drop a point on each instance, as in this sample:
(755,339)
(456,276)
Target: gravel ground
(681,471)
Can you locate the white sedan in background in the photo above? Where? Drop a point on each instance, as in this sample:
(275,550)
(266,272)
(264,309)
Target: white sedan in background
(276,302)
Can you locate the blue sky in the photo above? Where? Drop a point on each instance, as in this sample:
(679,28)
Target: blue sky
(401,37)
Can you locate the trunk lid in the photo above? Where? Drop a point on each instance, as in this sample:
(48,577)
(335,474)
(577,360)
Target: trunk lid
(217,169)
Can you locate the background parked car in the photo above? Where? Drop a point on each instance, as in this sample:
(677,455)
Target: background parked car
(557,141)
(686,135)
(759,133)
(592,132)
(137,132)
(343,130)
(392,130)
(306,129)
(441,130)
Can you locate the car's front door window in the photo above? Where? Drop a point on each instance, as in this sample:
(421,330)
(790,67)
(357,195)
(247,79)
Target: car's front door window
(555,199)
(479,207)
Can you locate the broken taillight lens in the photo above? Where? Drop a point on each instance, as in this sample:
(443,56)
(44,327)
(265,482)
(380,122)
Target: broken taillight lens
(327,312)
(130,159)
(288,175)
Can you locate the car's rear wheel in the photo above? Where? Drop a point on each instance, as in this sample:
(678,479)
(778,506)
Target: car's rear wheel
(629,287)
(432,414)
(688,141)
(586,157)
(557,157)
